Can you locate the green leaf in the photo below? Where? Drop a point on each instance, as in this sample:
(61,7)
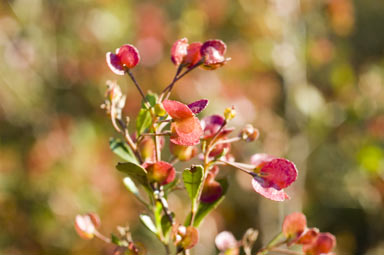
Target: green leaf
(134,171)
(143,121)
(205,208)
(166,224)
(193,179)
(122,150)
(147,221)
(151,98)
(131,186)
(115,240)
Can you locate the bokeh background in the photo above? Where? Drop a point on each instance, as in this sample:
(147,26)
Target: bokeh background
(308,73)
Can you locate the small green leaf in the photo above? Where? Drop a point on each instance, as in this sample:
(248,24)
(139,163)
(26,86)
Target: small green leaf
(151,98)
(166,224)
(193,179)
(122,150)
(131,186)
(205,208)
(143,121)
(115,240)
(134,171)
(147,221)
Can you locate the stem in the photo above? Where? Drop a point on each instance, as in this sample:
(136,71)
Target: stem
(239,166)
(170,86)
(128,71)
(272,244)
(286,251)
(230,140)
(102,237)
(157,134)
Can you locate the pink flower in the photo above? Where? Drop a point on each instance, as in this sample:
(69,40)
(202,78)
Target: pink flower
(179,51)
(272,175)
(186,129)
(184,53)
(227,243)
(161,172)
(212,52)
(126,57)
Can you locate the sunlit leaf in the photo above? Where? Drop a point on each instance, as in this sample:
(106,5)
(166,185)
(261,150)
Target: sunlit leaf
(122,150)
(134,171)
(147,221)
(193,179)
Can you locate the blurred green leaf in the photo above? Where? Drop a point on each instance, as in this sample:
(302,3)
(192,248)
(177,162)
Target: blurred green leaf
(151,98)
(193,179)
(134,171)
(147,221)
(166,224)
(122,150)
(115,240)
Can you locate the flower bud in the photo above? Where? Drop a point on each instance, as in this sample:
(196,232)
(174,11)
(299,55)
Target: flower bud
(161,172)
(179,51)
(159,110)
(86,225)
(193,54)
(186,237)
(212,190)
(294,225)
(126,57)
(249,133)
(183,153)
(229,113)
(212,51)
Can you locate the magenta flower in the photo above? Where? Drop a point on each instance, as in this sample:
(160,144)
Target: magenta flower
(126,57)
(186,129)
(211,125)
(212,189)
(272,175)
(212,52)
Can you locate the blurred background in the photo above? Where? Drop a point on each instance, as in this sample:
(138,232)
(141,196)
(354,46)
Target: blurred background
(309,74)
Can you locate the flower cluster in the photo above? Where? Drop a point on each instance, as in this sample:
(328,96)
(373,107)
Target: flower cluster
(163,121)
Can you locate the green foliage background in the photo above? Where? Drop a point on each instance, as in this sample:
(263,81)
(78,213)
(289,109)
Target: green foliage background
(309,74)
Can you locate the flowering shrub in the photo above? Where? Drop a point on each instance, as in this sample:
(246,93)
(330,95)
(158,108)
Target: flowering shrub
(160,119)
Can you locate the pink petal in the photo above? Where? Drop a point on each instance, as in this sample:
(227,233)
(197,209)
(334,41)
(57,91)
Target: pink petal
(294,225)
(270,193)
(278,173)
(225,240)
(177,110)
(179,51)
(114,63)
(259,159)
(187,131)
(218,45)
(129,55)
(198,106)
(193,56)
(324,243)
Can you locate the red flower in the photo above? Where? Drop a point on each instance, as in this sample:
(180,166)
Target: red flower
(323,244)
(161,172)
(186,129)
(212,52)
(184,53)
(126,57)
(272,175)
